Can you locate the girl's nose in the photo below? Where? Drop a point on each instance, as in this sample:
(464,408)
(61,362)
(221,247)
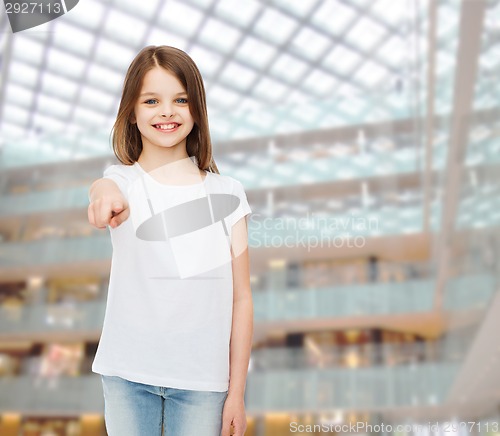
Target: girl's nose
(167,111)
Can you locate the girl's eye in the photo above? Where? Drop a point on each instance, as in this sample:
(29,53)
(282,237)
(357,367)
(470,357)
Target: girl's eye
(182,100)
(151,99)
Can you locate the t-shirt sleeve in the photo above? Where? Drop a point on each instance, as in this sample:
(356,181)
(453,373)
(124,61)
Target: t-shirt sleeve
(243,208)
(116,173)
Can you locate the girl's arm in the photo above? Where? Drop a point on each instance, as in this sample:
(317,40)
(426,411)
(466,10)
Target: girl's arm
(241,332)
(107,205)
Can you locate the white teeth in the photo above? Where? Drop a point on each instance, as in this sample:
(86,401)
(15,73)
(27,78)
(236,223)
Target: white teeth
(166,126)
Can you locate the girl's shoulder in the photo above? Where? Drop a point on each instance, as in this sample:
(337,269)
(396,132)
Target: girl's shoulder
(122,170)
(227,183)
(122,175)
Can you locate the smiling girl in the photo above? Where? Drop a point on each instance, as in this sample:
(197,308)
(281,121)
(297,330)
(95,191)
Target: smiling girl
(175,344)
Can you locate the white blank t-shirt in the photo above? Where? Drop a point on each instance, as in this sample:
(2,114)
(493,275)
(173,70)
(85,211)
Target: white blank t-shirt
(169,306)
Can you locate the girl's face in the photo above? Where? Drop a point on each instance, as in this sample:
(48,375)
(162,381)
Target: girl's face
(162,112)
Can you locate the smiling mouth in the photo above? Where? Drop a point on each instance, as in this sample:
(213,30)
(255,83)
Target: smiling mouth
(166,127)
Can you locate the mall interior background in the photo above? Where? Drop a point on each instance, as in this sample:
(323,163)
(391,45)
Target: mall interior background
(367,136)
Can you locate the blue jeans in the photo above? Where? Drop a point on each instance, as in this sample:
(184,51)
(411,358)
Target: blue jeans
(136,409)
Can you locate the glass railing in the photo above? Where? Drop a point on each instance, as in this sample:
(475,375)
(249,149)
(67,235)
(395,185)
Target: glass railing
(332,274)
(313,226)
(354,356)
(469,292)
(376,298)
(33,395)
(313,390)
(46,318)
(283,390)
(55,251)
(45,201)
(370,299)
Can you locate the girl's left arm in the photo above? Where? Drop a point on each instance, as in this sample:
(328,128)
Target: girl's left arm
(241,332)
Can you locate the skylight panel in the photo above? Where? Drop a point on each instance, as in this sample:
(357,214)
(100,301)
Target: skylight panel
(181,18)
(89,15)
(366,34)
(393,51)
(114,55)
(485,101)
(238,76)
(255,52)
(275,27)
(247,103)
(105,78)
(59,86)
(297,96)
(341,59)
(306,114)
(117,21)
(88,117)
(205,4)
(333,17)
(212,31)
(447,19)
(297,8)
(444,63)
(13,129)
(21,73)
(490,59)
(27,50)
(310,44)
(160,37)
(320,83)
(207,61)
(348,90)
(390,11)
(262,120)
(65,63)
(330,120)
(352,106)
(289,68)
(220,126)
(92,142)
(269,89)
(396,101)
(92,97)
(144,9)
(46,123)
(80,43)
(16,115)
(222,97)
(243,132)
(243,14)
(370,74)
(18,95)
(53,106)
(38,35)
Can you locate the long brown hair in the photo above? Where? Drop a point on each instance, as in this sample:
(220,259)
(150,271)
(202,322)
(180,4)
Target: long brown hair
(126,138)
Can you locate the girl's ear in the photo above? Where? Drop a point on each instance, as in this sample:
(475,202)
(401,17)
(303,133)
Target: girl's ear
(132,118)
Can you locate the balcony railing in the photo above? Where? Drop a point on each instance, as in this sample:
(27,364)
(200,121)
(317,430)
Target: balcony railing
(357,356)
(274,305)
(360,388)
(324,225)
(284,390)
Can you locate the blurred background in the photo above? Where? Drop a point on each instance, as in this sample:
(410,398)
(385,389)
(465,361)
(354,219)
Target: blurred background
(367,136)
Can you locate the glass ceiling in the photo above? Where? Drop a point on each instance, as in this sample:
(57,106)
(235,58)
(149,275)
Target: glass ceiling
(269,67)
